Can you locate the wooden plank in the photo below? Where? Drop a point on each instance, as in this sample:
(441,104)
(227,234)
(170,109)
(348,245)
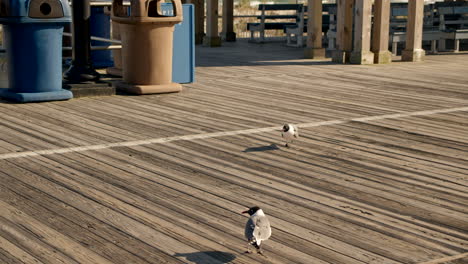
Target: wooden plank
(6,257)
(375,190)
(145,229)
(149,209)
(49,235)
(107,241)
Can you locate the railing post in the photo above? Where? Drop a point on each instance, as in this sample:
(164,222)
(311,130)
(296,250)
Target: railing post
(314,49)
(380,32)
(212,38)
(344,29)
(362,33)
(228,20)
(199,20)
(414,30)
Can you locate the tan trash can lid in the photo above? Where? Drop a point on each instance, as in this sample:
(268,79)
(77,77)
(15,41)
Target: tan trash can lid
(145,11)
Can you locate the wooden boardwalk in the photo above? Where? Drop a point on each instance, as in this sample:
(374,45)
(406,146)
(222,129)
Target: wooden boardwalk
(379,175)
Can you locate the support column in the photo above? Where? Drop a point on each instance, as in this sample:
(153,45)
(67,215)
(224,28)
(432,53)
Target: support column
(81,69)
(314,49)
(380,32)
(344,29)
(414,28)
(362,32)
(212,38)
(228,20)
(199,21)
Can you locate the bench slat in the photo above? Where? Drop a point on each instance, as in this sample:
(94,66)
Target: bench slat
(280,7)
(270,25)
(278,16)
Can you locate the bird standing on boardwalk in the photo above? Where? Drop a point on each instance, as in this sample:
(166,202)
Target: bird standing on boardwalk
(289,133)
(257,228)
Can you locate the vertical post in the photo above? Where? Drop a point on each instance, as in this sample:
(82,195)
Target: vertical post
(362,32)
(314,47)
(228,20)
(414,27)
(199,21)
(380,32)
(116,54)
(81,69)
(212,38)
(344,29)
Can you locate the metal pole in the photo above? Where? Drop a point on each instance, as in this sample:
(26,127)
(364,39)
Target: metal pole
(81,69)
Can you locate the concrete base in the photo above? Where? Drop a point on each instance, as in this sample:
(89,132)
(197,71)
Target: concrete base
(114,71)
(314,53)
(382,57)
(148,89)
(340,56)
(81,73)
(413,55)
(212,41)
(86,89)
(11,95)
(362,57)
(229,36)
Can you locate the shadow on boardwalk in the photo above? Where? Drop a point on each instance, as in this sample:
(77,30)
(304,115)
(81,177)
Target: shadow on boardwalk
(205,257)
(262,148)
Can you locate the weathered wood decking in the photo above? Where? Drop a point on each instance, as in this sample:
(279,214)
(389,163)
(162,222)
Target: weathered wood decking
(385,181)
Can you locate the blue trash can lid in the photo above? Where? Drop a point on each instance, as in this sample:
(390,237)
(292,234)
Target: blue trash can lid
(34,11)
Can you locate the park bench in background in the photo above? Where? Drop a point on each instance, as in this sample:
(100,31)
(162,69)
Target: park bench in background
(442,21)
(270,21)
(294,34)
(453,19)
(431,32)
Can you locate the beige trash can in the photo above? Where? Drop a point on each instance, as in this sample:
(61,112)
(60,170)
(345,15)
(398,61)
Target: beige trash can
(147,37)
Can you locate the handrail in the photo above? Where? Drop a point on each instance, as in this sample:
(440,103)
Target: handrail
(115,41)
(104,3)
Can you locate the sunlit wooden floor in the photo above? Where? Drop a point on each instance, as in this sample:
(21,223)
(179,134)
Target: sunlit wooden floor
(379,174)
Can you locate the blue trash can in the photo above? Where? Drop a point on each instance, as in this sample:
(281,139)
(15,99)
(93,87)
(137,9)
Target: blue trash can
(100,27)
(183,57)
(33,40)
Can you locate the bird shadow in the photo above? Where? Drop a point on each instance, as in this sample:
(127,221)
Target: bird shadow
(207,257)
(262,148)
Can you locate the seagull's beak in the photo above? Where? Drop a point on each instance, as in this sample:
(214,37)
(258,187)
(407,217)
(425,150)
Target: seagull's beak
(245,212)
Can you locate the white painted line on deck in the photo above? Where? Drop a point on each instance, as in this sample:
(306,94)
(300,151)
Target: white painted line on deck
(446,259)
(220,134)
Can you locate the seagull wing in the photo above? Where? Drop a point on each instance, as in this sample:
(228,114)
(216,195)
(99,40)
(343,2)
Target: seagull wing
(262,230)
(249,229)
(296,132)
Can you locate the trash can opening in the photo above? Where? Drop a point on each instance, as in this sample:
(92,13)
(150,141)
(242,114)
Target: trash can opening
(119,10)
(3,9)
(154,9)
(45,9)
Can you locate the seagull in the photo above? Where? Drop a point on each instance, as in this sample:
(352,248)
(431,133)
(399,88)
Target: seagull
(257,228)
(289,133)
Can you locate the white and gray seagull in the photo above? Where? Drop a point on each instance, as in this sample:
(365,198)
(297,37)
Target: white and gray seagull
(289,133)
(257,228)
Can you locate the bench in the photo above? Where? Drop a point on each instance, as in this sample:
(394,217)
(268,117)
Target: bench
(264,25)
(331,32)
(398,19)
(294,34)
(431,32)
(453,19)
